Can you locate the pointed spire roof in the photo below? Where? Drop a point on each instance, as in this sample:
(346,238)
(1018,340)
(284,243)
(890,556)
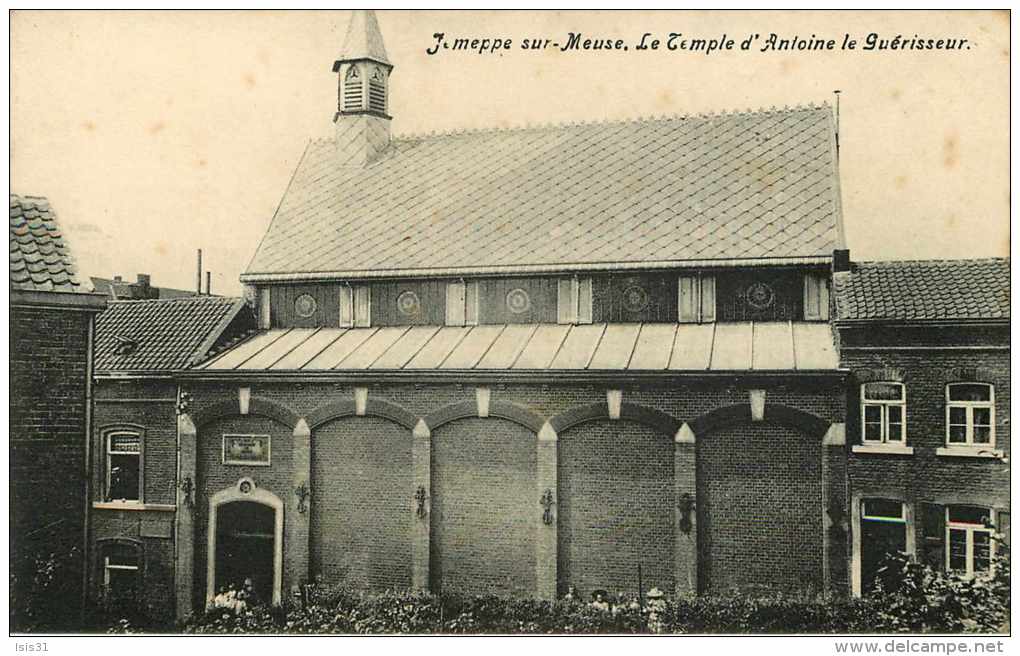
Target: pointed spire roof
(363,40)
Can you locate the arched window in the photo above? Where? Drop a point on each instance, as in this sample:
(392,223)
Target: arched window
(970,415)
(123,474)
(883,413)
(120,563)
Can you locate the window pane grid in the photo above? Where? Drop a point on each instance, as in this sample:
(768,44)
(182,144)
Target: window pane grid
(971,549)
(969,414)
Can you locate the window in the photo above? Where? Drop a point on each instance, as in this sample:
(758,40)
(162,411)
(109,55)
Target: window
(696,299)
(121,562)
(883,413)
(883,532)
(969,538)
(123,466)
(462,303)
(574,300)
(970,415)
(355,306)
(816,297)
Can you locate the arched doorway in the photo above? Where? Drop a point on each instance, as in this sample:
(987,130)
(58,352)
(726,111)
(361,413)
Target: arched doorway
(245,541)
(244,547)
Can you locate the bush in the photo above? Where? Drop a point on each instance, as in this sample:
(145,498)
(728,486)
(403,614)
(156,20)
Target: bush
(923,601)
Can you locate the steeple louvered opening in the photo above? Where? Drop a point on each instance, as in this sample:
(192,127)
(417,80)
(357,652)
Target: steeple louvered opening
(377,91)
(352,91)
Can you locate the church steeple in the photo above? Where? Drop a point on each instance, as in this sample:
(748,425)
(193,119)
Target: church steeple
(363,73)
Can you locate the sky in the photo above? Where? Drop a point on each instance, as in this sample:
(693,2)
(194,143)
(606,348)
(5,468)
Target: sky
(158,133)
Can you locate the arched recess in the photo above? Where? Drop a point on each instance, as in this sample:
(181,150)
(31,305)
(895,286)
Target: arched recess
(775,413)
(501,409)
(759,501)
(484,501)
(245,490)
(257,406)
(363,481)
(373,407)
(616,501)
(650,417)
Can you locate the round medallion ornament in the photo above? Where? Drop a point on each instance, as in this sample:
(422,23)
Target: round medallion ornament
(305,305)
(245,486)
(759,295)
(517,301)
(635,298)
(408,304)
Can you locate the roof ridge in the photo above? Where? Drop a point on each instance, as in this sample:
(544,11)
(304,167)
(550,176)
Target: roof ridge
(644,118)
(231,299)
(936,260)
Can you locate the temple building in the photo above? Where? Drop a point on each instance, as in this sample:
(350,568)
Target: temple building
(596,356)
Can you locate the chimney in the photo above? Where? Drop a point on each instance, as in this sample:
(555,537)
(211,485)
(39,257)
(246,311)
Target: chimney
(840,260)
(118,279)
(362,124)
(208,283)
(198,277)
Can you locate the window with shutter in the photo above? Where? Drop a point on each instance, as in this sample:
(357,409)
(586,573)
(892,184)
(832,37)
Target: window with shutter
(584,301)
(1002,528)
(362,306)
(377,91)
(696,299)
(346,306)
(456,295)
(264,309)
(566,301)
(816,297)
(471,303)
(707,299)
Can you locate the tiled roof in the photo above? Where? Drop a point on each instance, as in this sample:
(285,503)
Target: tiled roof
(543,347)
(40,257)
(731,186)
(924,290)
(161,334)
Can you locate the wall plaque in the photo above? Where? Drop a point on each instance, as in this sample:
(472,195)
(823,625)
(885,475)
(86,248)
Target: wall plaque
(246,450)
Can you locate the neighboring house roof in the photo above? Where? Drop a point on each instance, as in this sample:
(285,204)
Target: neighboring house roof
(165,334)
(660,192)
(122,289)
(40,257)
(539,347)
(924,290)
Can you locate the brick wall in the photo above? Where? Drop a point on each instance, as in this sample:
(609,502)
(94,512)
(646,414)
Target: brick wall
(158,421)
(213,476)
(759,509)
(48,375)
(484,499)
(362,490)
(484,508)
(615,508)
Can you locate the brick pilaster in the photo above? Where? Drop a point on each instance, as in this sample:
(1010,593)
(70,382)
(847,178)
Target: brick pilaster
(685,523)
(297,514)
(421,466)
(184,569)
(546,533)
(835,511)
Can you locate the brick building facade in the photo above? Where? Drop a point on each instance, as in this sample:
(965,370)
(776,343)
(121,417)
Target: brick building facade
(51,323)
(603,360)
(928,406)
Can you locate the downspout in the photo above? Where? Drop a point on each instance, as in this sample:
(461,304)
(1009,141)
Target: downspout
(177,493)
(88,467)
